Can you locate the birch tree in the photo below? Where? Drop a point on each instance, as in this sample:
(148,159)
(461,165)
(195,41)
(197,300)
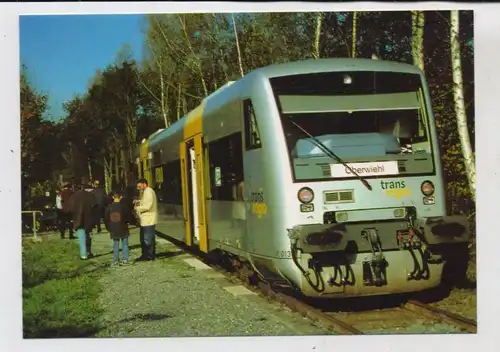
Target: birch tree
(237,45)
(195,57)
(317,35)
(354,32)
(417,38)
(458,97)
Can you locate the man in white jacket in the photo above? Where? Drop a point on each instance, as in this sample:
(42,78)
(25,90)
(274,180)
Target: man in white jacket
(147,210)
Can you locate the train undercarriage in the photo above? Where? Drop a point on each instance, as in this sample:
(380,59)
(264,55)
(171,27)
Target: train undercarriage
(384,257)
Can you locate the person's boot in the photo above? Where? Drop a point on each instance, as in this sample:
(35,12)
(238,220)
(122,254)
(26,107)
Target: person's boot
(88,243)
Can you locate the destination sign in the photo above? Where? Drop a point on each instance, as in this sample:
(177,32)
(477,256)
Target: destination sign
(380,168)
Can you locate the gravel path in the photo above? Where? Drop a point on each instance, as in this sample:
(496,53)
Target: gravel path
(170,298)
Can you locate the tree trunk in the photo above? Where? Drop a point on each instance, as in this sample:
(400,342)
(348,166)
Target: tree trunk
(237,46)
(89,166)
(117,169)
(125,166)
(319,20)
(354,32)
(179,102)
(107,175)
(417,38)
(190,47)
(458,97)
(163,100)
(184,105)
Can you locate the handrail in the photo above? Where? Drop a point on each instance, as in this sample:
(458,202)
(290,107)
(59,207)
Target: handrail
(34,212)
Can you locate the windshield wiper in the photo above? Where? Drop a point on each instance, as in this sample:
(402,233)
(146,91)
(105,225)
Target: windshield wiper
(332,155)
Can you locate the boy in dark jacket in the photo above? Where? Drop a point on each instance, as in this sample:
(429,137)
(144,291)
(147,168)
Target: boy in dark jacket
(114,220)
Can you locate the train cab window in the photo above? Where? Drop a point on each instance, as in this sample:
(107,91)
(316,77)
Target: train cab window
(225,156)
(252,135)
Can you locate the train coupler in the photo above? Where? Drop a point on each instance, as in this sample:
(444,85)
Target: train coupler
(406,239)
(374,273)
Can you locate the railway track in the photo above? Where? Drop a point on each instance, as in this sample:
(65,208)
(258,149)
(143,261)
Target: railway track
(459,321)
(357,323)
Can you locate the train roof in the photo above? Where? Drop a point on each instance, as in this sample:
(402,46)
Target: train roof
(335,64)
(177,125)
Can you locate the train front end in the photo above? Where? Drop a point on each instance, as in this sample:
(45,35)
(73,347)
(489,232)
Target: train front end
(365,212)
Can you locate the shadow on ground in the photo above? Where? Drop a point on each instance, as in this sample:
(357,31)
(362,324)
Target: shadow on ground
(63,332)
(164,255)
(111,251)
(145,317)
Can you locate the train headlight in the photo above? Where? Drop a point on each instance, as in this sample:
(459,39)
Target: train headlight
(305,195)
(427,188)
(400,213)
(341,217)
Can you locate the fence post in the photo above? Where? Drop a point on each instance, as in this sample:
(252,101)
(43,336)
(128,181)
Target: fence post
(33,213)
(34,224)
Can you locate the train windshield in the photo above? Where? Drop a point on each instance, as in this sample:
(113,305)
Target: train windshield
(371,120)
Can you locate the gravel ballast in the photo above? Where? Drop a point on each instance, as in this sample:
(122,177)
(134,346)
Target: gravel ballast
(168,298)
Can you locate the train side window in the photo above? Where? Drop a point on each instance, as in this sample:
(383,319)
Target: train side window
(252,135)
(171,187)
(226,166)
(158,178)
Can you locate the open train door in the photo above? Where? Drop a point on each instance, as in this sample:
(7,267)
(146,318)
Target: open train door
(193,191)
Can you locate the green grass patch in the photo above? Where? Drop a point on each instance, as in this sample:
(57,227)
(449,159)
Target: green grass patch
(60,291)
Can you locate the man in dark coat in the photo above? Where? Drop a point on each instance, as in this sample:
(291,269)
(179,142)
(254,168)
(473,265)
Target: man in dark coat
(99,195)
(82,204)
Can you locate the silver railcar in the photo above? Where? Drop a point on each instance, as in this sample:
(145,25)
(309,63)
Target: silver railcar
(320,174)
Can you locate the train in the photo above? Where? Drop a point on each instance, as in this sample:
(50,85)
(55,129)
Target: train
(323,176)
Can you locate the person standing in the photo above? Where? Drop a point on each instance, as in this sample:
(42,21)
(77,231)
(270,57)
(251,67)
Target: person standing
(114,220)
(82,204)
(147,209)
(64,215)
(99,195)
(58,209)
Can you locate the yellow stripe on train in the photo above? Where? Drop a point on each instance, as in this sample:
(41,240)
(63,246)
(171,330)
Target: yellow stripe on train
(194,124)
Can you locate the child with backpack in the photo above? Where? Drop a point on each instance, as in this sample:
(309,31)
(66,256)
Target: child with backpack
(115,222)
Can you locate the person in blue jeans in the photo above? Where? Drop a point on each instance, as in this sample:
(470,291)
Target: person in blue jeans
(81,205)
(115,222)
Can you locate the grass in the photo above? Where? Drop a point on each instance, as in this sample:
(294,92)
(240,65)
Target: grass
(60,292)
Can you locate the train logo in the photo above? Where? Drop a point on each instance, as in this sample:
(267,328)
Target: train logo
(398,193)
(395,189)
(259,207)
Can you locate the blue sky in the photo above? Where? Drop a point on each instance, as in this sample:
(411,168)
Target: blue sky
(62,53)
